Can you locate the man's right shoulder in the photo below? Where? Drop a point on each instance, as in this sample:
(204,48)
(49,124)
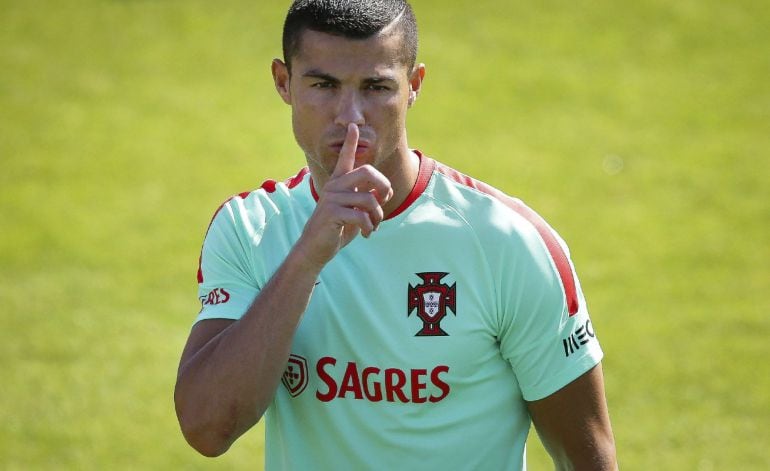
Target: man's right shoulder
(260,204)
(242,219)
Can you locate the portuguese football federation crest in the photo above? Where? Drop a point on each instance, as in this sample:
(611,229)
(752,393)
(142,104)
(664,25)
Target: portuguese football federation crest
(431,299)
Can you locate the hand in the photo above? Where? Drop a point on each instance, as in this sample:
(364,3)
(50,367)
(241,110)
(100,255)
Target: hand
(350,204)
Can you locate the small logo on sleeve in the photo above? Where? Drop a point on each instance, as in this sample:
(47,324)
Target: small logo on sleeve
(215,296)
(581,336)
(431,299)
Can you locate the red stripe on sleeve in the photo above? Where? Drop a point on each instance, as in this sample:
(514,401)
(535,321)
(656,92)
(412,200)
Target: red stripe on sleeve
(555,249)
(269,186)
(200,256)
(297,179)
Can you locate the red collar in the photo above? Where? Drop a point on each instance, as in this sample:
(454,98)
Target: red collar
(427,165)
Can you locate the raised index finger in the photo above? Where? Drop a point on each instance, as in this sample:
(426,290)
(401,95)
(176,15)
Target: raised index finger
(347,159)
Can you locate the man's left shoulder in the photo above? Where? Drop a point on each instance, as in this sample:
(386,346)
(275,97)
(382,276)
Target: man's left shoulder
(507,225)
(480,199)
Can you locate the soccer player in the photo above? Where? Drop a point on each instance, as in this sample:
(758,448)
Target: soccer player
(381,309)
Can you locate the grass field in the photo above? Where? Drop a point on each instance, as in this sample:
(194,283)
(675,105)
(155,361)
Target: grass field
(640,130)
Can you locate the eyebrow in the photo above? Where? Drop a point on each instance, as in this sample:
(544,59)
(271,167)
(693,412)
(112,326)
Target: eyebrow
(320,75)
(317,74)
(380,79)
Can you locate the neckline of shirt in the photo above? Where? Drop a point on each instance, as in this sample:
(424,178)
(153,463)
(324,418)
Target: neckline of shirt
(427,165)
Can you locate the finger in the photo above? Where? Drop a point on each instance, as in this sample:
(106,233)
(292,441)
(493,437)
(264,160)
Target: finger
(379,196)
(365,202)
(347,158)
(364,179)
(354,218)
(352,199)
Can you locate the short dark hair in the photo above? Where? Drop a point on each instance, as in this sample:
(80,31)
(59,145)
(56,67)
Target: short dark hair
(355,19)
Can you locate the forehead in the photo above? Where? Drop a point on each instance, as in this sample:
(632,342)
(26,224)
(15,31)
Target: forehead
(338,55)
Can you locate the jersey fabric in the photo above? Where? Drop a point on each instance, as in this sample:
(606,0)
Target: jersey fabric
(421,344)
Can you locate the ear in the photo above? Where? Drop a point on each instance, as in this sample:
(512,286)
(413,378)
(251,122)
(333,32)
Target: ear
(415,83)
(281,78)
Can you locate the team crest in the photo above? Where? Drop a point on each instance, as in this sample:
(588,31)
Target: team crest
(431,299)
(295,376)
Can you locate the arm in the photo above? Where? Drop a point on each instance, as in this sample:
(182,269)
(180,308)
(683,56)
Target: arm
(574,424)
(230,370)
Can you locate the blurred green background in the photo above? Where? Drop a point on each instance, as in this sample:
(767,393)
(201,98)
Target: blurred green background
(639,129)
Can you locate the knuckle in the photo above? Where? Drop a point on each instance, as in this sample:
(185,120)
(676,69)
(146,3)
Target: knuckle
(369,201)
(370,172)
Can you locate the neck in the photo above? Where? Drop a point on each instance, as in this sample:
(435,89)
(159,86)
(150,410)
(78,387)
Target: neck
(402,180)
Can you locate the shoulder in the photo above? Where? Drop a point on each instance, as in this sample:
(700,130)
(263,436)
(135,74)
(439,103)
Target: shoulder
(242,218)
(254,208)
(488,207)
(507,224)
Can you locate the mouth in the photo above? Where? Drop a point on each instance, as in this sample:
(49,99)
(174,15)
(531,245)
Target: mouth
(361,148)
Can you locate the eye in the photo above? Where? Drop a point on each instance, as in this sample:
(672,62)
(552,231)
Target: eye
(377,88)
(324,84)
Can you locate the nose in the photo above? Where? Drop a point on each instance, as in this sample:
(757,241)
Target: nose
(349,109)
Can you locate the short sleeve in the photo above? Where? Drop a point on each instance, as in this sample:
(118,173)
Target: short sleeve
(226,283)
(547,346)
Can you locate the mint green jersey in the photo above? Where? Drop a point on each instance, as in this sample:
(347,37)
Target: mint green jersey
(421,344)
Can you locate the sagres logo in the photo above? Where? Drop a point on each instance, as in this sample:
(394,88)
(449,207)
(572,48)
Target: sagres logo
(295,376)
(431,299)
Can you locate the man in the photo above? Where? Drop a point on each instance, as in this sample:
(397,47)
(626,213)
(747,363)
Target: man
(379,308)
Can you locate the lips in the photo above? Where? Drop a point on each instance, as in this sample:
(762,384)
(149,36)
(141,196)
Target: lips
(362,147)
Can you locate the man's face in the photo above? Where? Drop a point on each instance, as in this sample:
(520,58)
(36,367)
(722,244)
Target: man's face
(335,81)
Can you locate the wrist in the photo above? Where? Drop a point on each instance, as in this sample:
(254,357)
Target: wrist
(305,260)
